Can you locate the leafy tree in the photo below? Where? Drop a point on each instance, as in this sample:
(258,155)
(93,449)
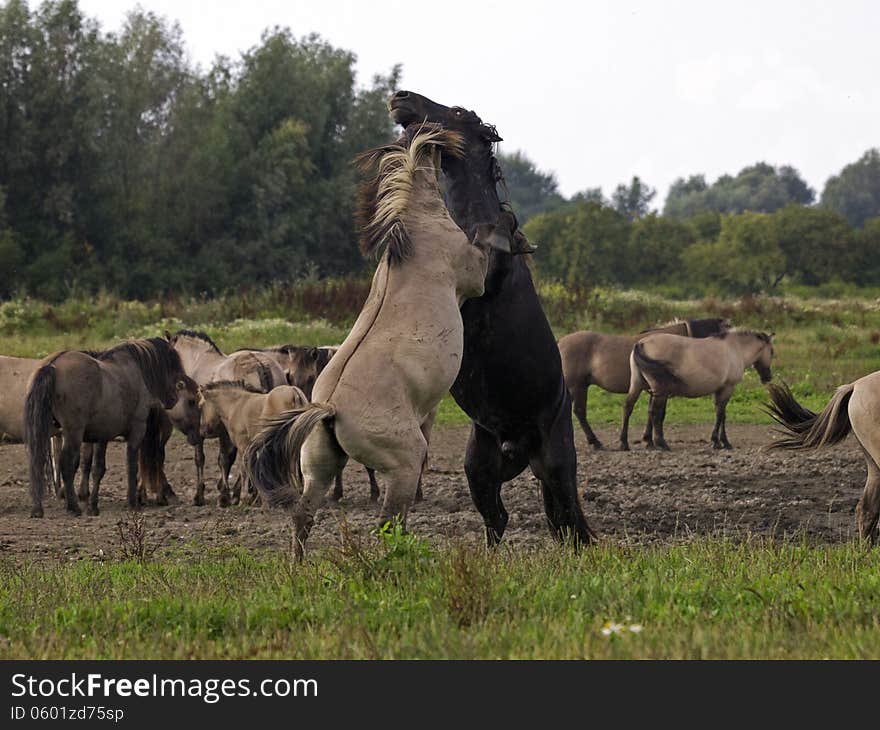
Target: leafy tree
(633,201)
(759,188)
(817,244)
(746,258)
(655,248)
(855,192)
(582,244)
(531,191)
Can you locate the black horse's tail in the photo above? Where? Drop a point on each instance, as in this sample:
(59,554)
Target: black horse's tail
(666,381)
(272,460)
(38,425)
(151,456)
(804,429)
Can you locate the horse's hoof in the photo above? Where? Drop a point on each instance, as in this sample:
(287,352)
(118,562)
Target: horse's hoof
(624,447)
(651,446)
(335,496)
(199,500)
(37,512)
(597,445)
(716,445)
(662,446)
(726,447)
(74,509)
(135,506)
(92,510)
(223,500)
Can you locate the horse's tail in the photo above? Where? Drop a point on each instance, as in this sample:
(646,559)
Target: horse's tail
(659,370)
(150,456)
(272,460)
(38,423)
(804,429)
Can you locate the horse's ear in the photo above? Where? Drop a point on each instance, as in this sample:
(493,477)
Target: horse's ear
(288,376)
(771,336)
(314,353)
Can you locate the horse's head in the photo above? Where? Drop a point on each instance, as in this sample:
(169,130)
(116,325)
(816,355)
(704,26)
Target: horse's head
(765,356)
(185,414)
(305,365)
(209,416)
(471,177)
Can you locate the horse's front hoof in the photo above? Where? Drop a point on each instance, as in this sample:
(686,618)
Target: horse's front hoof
(624,447)
(597,445)
(223,500)
(651,446)
(199,500)
(716,445)
(335,496)
(726,447)
(662,446)
(74,509)
(37,512)
(135,506)
(92,510)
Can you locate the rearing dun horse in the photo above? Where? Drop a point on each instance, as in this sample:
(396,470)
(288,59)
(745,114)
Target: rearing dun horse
(376,395)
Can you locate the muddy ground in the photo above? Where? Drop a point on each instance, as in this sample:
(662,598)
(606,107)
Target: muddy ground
(636,497)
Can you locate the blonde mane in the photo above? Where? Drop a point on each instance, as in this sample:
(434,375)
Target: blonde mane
(383,200)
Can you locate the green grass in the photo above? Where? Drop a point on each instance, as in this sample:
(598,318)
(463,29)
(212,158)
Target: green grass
(401,598)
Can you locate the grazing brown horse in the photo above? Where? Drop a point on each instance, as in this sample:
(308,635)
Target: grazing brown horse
(372,401)
(96,399)
(593,358)
(205,363)
(674,366)
(855,408)
(243,411)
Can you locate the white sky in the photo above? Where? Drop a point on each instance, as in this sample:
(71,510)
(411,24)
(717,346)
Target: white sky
(600,91)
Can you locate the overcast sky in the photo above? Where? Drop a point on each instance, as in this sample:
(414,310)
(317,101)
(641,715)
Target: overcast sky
(600,91)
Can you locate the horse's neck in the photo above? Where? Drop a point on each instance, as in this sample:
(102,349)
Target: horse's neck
(746,347)
(231,401)
(196,358)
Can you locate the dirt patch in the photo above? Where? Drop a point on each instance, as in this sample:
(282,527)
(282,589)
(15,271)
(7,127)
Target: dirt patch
(638,497)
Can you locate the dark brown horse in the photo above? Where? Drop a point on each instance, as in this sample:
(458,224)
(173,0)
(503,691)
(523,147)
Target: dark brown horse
(594,358)
(510,382)
(96,399)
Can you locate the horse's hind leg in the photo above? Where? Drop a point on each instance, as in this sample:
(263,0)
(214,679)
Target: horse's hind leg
(579,394)
(321,461)
(86,454)
(719,432)
(486,468)
(55,448)
(648,436)
(658,417)
(868,508)
(555,465)
(199,459)
(402,482)
(628,405)
(225,460)
(100,468)
(425,428)
(69,464)
(374,485)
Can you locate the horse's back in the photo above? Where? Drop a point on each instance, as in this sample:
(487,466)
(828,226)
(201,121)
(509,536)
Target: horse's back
(596,358)
(702,366)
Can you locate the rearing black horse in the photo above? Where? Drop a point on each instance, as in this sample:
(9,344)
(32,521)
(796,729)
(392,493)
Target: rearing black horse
(510,383)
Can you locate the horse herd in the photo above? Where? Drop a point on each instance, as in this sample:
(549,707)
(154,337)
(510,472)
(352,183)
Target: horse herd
(452,308)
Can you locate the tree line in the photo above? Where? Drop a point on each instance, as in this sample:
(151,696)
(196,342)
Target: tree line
(123,166)
(741,234)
